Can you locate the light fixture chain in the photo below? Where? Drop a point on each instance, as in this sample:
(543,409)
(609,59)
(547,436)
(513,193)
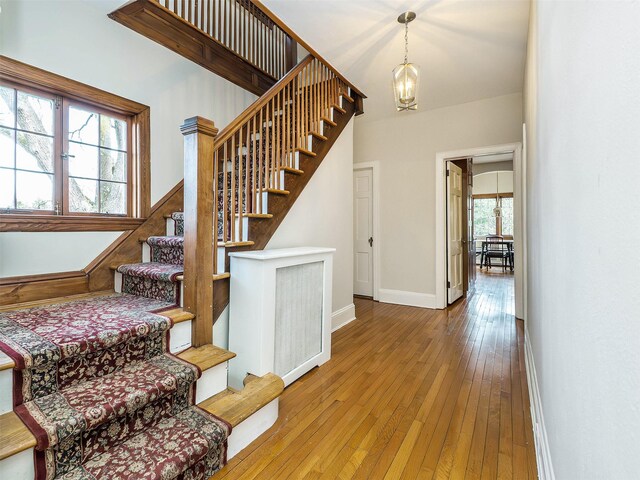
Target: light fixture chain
(406,42)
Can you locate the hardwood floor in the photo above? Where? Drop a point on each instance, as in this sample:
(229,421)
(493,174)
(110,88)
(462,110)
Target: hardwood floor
(408,393)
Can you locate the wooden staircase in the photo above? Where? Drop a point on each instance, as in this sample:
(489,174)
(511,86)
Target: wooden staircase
(239,184)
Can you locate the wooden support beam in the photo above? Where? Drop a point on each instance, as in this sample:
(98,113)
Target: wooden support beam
(199,135)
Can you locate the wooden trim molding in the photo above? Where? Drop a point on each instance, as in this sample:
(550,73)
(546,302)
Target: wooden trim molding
(66,223)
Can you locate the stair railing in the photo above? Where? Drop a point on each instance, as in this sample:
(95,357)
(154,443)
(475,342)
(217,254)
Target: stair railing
(242,27)
(255,150)
(229,176)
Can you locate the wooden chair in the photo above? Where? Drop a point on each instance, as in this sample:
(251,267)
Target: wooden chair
(496,248)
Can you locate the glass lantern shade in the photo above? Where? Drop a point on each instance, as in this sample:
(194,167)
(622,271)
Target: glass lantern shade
(405,86)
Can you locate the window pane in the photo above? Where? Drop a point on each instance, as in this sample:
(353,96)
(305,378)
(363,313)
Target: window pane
(83,195)
(35,114)
(34,191)
(507,216)
(7,186)
(113,165)
(113,198)
(35,152)
(484,222)
(83,160)
(83,126)
(113,133)
(7,147)
(7,107)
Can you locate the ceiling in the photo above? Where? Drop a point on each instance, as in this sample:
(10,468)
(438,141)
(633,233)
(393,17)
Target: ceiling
(467,50)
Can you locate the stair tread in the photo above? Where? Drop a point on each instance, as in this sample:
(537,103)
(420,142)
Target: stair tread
(247,243)
(152,270)
(235,407)
(100,400)
(338,108)
(15,436)
(329,121)
(293,170)
(256,215)
(206,356)
(306,152)
(347,97)
(319,135)
(277,191)
(216,276)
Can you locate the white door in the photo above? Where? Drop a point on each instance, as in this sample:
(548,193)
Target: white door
(454,232)
(363,232)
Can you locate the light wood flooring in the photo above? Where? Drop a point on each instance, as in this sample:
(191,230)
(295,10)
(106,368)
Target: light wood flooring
(408,393)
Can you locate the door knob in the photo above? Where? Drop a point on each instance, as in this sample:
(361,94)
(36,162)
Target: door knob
(371,241)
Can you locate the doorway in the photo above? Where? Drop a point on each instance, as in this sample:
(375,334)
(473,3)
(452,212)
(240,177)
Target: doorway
(366,240)
(448,255)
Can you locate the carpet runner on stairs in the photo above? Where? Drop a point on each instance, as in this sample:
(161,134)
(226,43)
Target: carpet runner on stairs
(95,384)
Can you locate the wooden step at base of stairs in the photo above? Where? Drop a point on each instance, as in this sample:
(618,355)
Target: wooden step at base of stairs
(216,276)
(235,407)
(15,437)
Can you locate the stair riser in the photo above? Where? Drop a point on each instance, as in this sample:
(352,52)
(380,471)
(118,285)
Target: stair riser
(6,391)
(171,227)
(19,466)
(247,431)
(117,286)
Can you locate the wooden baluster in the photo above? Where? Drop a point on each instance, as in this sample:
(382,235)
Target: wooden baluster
(278,130)
(298,93)
(254,167)
(232,207)
(226,24)
(199,136)
(247,172)
(273,143)
(261,159)
(219,34)
(216,193)
(196,18)
(239,188)
(287,121)
(225,194)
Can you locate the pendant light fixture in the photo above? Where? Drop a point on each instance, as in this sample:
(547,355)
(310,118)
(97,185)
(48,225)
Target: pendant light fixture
(405,75)
(497,212)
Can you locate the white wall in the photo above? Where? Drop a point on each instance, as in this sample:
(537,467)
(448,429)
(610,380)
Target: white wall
(406,146)
(75,38)
(582,109)
(322,216)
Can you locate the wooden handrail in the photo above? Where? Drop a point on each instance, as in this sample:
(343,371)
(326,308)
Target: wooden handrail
(251,110)
(305,45)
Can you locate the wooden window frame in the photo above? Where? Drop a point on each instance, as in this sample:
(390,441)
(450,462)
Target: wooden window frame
(138,182)
(498,219)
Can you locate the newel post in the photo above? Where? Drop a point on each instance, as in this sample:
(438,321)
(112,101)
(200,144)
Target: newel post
(199,135)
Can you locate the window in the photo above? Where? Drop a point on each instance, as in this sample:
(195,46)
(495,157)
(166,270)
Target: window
(70,155)
(485,222)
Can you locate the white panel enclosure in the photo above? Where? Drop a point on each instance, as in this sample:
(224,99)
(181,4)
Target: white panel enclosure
(299,312)
(279,312)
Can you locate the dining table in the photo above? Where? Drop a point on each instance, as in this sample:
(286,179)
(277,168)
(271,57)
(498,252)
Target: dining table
(496,244)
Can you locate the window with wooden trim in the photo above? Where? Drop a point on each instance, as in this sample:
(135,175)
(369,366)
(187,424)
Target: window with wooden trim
(72,157)
(484,220)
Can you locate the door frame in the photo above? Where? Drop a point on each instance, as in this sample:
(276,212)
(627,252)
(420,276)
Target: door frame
(441,218)
(375,169)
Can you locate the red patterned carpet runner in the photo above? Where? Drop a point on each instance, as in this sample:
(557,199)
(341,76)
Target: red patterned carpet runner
(96,385)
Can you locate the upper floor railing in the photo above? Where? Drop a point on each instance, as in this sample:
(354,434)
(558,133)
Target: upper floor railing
(243,28)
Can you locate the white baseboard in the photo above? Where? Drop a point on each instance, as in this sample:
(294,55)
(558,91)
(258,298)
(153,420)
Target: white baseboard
(413,299)
(543,454)
(343,316)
